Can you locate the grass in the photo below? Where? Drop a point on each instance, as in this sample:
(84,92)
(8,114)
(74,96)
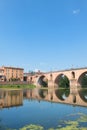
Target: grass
(17,86)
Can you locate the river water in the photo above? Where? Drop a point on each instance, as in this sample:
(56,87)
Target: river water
(43,109)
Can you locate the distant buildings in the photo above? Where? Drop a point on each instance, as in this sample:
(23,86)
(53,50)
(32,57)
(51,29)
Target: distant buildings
(28,76)
(11,74)
(17,74)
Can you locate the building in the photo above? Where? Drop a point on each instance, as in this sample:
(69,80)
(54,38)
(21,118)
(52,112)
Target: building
(28,76)
(2,77)
(12,73)
(1,71)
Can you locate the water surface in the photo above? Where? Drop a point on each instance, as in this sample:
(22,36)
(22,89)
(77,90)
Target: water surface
(41,108)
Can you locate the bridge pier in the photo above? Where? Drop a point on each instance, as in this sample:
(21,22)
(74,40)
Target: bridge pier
(50,84)
(73,86)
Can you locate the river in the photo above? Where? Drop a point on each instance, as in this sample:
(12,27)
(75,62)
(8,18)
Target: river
(43,109)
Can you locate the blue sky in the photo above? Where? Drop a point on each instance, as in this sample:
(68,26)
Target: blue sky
(43,34)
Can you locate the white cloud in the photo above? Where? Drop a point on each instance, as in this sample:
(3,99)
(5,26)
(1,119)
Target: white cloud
(36,70)
(77,11)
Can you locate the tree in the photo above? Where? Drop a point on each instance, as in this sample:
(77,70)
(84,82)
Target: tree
(84,81)
(64,82)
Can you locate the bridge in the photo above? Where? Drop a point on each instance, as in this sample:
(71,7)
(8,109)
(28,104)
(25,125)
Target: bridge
(51,79)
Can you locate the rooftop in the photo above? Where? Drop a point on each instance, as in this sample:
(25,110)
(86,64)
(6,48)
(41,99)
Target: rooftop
(9,67)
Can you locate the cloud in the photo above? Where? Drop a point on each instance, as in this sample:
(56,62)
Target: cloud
(77,11)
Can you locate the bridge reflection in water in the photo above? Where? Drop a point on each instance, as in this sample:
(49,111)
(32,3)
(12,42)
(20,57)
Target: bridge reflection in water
(74,97)
(12,98)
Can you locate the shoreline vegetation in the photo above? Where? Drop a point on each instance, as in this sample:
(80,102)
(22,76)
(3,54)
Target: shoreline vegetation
(32,86)
(17,86)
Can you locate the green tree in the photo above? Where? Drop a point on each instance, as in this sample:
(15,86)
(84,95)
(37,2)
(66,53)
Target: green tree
(84,81)
(64,82)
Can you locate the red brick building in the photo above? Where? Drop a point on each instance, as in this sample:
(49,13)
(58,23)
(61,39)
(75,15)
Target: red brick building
(12,73)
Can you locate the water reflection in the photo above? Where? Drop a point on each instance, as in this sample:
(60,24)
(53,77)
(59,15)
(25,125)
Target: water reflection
(62,94)
(27,93)
(83,94)
(49,115)
(11,98)
(78,97)
(43,92)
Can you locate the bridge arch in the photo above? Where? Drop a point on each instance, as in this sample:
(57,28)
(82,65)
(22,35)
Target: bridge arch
(42,81)
(58,79)
(82,80)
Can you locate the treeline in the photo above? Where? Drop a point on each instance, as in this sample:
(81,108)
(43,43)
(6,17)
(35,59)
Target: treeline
(64,82)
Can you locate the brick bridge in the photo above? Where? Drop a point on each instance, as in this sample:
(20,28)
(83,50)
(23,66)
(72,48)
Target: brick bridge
(52,78)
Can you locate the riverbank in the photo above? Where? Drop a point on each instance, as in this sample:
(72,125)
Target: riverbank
(17,86)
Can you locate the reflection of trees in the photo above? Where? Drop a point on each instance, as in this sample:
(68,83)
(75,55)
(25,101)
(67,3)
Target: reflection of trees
(83,94)
(62,94)
(43,92)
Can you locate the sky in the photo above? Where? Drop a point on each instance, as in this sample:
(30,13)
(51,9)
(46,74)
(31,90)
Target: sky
(46,35)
